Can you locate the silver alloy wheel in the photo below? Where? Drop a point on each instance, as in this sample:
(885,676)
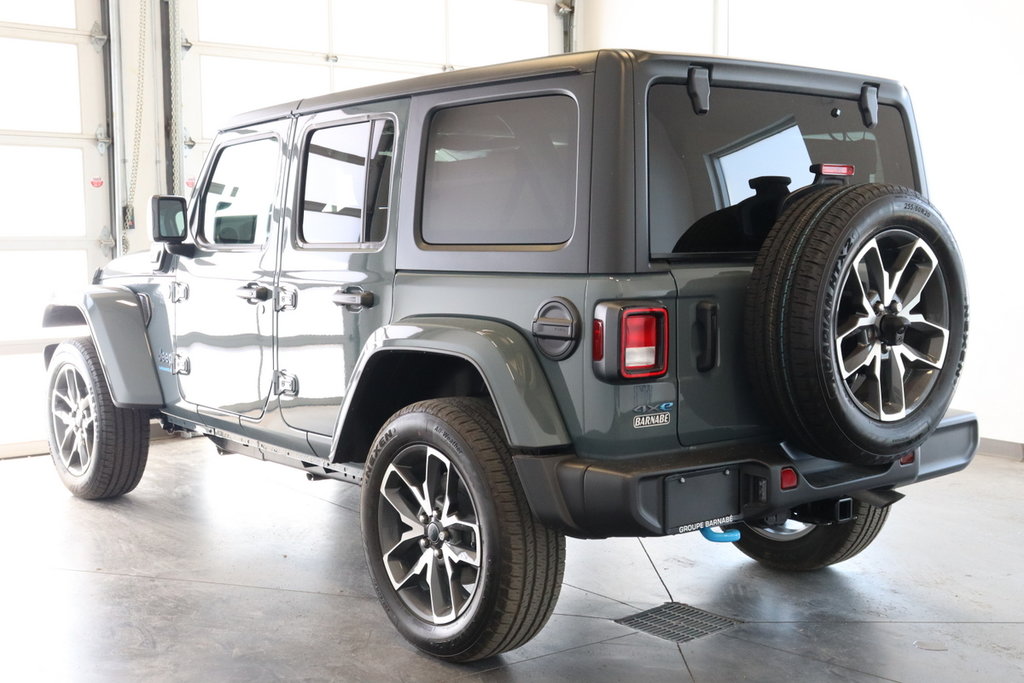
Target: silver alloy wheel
(790,530)
(892,325)
(429,533)
(74,423)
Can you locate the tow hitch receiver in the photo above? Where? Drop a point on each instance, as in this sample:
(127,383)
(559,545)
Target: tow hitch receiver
(834,511)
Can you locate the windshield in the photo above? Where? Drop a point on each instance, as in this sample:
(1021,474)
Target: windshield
(716,181)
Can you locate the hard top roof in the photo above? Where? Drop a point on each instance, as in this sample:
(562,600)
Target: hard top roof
(732,71)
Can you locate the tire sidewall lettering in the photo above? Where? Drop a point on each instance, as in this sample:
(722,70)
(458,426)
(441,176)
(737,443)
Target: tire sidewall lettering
(426,429)
(810,271)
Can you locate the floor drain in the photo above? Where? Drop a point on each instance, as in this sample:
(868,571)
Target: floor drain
(677,622)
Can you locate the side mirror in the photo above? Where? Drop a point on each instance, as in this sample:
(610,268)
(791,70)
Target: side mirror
(167,217)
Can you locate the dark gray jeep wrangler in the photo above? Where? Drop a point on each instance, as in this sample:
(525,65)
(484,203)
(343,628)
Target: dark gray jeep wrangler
(602,294)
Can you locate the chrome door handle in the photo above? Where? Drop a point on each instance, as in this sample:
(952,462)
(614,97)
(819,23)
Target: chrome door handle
(353,298)
(254,293)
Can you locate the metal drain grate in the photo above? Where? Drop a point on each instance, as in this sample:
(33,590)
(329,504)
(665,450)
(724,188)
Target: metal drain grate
(677,622)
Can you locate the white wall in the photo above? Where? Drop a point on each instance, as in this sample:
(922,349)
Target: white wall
(960,62)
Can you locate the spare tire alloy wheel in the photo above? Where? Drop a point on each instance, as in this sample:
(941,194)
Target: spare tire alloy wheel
(892,325)
(856,321)
(460,565)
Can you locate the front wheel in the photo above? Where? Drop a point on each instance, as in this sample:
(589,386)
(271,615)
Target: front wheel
(99,449)
(459,563)
(795,546)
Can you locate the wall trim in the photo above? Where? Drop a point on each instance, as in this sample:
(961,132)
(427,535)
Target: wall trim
(1002,449)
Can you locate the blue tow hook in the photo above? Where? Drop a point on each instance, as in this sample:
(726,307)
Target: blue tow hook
(729,536)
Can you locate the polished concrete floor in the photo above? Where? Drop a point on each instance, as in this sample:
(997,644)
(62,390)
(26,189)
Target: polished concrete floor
(225,568)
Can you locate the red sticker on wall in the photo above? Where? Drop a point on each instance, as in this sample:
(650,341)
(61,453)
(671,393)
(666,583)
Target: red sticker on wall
(96,182)
(190,183)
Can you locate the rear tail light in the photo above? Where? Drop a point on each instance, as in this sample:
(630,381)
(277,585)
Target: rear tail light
(643,342)
(598,341)
(629,341)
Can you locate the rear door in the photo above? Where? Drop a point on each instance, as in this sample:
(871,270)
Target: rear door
(336,266)
(717,182)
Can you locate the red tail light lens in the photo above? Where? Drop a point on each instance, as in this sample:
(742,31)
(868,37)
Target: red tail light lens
(788,479)
(644,342)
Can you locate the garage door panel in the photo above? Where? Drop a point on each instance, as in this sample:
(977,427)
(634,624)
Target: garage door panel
(227,86)
(414,30)
(516,29)
(48,91)
(262,23)
(54,186)
(26,372)
(46,186)
(51,273)
(54,13)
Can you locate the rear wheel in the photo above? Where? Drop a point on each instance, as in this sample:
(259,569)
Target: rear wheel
(99,450)
(459,563)
(795,546)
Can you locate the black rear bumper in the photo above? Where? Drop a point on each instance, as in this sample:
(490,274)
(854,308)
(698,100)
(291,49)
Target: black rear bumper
(680,492)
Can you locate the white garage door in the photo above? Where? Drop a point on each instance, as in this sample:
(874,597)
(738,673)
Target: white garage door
(54,188)
(263,52)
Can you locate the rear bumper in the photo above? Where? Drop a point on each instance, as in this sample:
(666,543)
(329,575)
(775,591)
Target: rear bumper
(680,492)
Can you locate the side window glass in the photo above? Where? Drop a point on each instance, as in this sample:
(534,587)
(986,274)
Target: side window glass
(238,202)
(346,183)
(501,173)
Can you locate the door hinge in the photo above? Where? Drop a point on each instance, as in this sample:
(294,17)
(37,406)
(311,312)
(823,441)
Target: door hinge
(179,292)
(287,298)
(286,384)
(180,364)
(102,139)
(97,37)
(107,242)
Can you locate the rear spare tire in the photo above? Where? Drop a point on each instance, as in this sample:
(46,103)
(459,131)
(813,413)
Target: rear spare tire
(856,321)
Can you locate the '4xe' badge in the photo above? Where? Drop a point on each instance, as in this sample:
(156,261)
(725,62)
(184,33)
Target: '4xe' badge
(651,420)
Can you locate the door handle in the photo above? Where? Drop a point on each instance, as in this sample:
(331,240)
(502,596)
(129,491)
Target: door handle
(353,299)
(707,326)
(253,293)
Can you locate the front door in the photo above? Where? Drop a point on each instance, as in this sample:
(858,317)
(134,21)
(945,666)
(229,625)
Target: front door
(224,294)
(336,269)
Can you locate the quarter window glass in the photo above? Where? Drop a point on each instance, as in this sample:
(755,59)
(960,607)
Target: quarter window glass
(716,181)
(501,173)
(347,182)
(239,200)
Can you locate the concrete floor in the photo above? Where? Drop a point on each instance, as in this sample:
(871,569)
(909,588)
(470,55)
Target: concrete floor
(225,568)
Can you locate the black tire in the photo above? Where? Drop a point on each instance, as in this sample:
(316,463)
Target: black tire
(847,375)
(803,548)
(99,450)
(478,533)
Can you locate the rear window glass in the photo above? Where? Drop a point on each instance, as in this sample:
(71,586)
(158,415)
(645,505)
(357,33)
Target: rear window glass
(716,180)
(346,183)
(501,173)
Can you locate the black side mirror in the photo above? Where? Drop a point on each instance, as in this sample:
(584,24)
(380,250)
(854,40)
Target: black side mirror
(167,216)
